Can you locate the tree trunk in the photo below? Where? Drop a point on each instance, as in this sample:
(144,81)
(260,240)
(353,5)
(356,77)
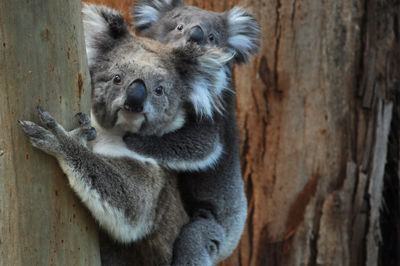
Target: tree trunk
(317,109)
(42,62)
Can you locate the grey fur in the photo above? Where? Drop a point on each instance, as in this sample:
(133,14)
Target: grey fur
(235,30)
(189,74)
(133,198)
(210,182)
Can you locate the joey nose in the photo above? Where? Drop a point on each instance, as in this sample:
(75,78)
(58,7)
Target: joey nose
(196,35)
(135,96)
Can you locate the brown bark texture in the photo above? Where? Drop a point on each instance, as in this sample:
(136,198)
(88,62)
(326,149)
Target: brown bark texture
(317,111)
(42,62)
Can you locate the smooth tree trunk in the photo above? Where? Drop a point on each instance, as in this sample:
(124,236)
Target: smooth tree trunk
(42,62)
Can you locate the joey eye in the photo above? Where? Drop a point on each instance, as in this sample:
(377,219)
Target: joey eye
(211,37)
(159,91)
(180,27)
(117,79)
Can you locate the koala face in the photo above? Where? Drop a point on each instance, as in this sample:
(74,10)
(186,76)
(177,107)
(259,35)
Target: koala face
(137,91)
(175,23)
(179,26)
(142,86)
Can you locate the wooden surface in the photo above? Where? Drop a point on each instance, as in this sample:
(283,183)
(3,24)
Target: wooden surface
(42,62)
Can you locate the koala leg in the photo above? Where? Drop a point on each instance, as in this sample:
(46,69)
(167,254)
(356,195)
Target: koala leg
(199,241)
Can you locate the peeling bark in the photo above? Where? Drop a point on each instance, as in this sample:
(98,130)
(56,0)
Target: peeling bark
(376,183)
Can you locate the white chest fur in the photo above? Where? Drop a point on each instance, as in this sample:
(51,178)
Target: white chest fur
(109,143)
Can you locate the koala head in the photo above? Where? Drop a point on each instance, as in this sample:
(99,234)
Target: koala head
(142,86)
(175,23)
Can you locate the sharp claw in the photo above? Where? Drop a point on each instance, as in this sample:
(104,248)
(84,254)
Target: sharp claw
(22,124)
(83,119)
(91,134)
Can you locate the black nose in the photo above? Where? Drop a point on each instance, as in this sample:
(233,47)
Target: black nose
(135,96)
(196,35)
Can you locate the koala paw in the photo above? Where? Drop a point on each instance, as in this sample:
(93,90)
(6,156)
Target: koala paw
(45,138)
(52,138)
(85,131)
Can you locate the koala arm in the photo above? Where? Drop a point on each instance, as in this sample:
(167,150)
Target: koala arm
(196,146)
(116,191)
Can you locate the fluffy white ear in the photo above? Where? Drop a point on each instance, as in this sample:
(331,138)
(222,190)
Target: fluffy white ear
(147,12)
(243,32)
(207,75)
(103,28)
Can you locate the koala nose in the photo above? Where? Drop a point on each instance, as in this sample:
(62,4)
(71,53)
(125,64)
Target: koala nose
(196,35)
(135,96)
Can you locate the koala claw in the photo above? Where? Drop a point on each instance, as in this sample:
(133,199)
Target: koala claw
(31,128)
(91,134)
(40,137)
(46,118)
(83,119)
(85,130)
(49,122)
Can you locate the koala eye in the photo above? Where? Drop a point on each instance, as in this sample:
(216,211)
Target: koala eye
(159,91)
(180,27)
(211,37)
(117,79)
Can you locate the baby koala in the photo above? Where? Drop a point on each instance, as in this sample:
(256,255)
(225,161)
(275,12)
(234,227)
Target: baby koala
(204,151)
(138,86)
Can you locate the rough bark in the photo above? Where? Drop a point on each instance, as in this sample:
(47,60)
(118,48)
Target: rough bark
(42,62)
(316,194)
(318,111)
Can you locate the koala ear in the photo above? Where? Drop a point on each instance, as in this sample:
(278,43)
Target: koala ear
(147,12)
(103,28)
(243,33)
(206,74)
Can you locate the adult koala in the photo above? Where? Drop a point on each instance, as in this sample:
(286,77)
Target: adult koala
(205,150)
(139,86)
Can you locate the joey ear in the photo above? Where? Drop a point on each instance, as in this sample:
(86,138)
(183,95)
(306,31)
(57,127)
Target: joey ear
(147,12)
(206,74)
(243,32)
(103,28)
